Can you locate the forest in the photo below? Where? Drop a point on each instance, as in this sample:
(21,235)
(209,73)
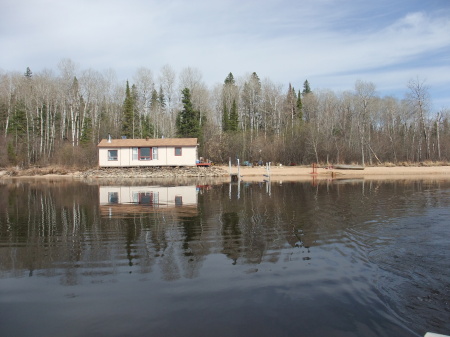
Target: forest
(59,117)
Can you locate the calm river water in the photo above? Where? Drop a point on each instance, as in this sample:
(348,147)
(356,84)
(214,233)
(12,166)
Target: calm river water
(127,258)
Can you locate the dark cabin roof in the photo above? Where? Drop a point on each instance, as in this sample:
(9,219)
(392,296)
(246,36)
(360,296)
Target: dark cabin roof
(150,142)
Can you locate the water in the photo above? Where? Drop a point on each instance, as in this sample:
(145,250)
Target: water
(259,259)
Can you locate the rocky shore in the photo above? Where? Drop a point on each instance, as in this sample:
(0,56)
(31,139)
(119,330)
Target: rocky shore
(154,172)
(129,172)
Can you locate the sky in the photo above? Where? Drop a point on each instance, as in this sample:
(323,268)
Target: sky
(331,43)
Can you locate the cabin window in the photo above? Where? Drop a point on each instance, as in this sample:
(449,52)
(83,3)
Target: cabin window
(145,153)
(112,154)
(113,197)
(146,198)
(178,200)
(178,151)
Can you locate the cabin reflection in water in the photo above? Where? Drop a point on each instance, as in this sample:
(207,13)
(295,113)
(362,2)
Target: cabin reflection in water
(124,201)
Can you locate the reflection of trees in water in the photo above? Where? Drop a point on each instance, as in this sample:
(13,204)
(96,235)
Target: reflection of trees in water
(55,228)
(169,264)
(231,235)
(257,225)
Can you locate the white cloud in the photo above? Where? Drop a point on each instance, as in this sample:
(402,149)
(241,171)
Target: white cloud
(327,41)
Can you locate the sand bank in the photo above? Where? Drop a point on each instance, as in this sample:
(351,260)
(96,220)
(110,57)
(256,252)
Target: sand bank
(375,173)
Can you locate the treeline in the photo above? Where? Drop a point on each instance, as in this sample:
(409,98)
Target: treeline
(48,118)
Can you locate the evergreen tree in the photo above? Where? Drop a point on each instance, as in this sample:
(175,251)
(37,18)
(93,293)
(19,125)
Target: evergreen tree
(188,119)
(255,78)
(162,98)
(291,99)
(86,134)
(28,73)
(306,88)
(154,100)
(17,128)
(135,99)
(225,117)
(233,122)
(18,121)
(299,106)
(128,114)
(229,94)
(147,127)
(229,79)
(12,154)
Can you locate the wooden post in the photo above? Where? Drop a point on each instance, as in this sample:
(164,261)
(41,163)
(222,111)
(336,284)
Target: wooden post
(239,168)
(314,168)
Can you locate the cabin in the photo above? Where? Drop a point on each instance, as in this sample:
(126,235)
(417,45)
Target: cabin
(147,152)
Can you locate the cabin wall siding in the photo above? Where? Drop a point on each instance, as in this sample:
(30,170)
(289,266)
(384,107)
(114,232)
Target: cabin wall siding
(166,157)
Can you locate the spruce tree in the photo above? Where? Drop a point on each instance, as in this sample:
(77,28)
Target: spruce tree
(306,88)
(188,119)
(17,128)
(86,134)
(134,100)
(18,122)
(233,122)
(28,73)
(229,92)
(225,118)
(291,99)
(148,129)
(128,114)
(299,106)
(154,100)
(229,79)
(162,98)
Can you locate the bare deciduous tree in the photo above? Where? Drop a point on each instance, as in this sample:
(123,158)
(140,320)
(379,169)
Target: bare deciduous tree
(419,99)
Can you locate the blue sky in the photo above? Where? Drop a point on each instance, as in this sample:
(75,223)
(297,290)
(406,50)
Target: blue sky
(332,43)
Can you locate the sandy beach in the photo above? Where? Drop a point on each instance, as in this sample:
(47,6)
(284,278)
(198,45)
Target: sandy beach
(295,173)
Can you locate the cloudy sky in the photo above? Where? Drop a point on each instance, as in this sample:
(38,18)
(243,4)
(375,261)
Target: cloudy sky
(332,43)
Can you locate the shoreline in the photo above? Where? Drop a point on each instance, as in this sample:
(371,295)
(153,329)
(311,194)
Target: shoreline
(369,173)
(258,173)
